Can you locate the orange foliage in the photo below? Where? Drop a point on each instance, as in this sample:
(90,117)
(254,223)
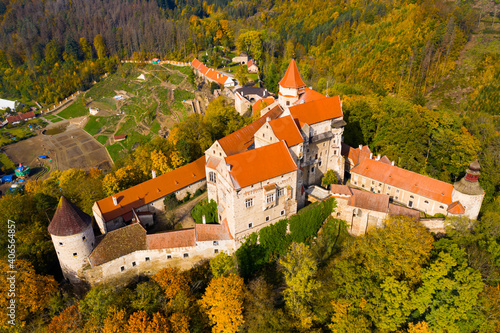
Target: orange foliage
(67,321)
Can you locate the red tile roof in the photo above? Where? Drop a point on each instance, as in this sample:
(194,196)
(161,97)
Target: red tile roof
(340,189)
(358,155)
(120,137)
(397,210)
(209,72)
(292,77)
(153,189)
(212,163)
(309,96)
(369,200)
(212,232)
(172,239)
(260,104)
(68,219)
(456,208)
(249,63)
(317,111)
(240,140)
(286,129)
(118,243)
(259,164)
(406,180)
(385,159)
(21,116)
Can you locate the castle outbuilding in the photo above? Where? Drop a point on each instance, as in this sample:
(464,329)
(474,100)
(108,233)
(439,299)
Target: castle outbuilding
(73,237)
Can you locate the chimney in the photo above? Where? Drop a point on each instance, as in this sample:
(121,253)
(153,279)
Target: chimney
(204,219)
(378,157)
(228,167)
(392,163)
(153,174)
(371,156)
(115,201)
(268,119)
(360,147)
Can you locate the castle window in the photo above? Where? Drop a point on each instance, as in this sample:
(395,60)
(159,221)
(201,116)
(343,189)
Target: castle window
(212,177)
(373,182)
(324,144)
(122,268)
(75,254)
(287,103)
(216,243)
(320,163)
(169,256)
(411,197)
(316,157)
(410,204)
(214,151)
(312,170)
(133,263)
(186,255)
(83,238)
(397,191)
(248,203)
(282,213)
(362,185)
(216,251)
(60,243)
(263,135)
(427,202)
(270,198)
(281,192)
(92,243)
(338,214)
(250,225)
(388,187)
(147,259)
(441,207)
(268,218)
(220,154)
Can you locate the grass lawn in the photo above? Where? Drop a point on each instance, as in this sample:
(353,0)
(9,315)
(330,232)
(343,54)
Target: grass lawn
(133,139)
(77,109)
(56,120)
(51,117)
(116,151)
(155,127)
(182,95)
(102,139)
(6,165)
(95,124)
(127,127)
(176,78)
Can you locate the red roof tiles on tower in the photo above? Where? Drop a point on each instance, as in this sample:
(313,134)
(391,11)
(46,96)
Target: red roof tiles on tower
(240,140)
(292,77)
(317,111)
(260,164)
(68,219)
(286,129)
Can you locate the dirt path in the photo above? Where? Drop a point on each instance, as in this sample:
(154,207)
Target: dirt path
(183,213)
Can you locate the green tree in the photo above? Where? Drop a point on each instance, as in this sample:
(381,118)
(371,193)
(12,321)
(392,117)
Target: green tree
(251,42)
(86,49)
(52,52)
(242,75)
(100,47)
(329,178)
(299,268)
(222,265)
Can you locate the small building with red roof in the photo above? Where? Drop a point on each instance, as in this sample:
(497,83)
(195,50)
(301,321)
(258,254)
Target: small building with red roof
(252,67)
(211,75)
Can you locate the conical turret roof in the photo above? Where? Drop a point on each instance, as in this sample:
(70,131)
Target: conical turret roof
(292,77)
(68,219)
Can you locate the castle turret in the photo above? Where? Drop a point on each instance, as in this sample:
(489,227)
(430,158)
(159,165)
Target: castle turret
(469,192)
(291,86)
(73,238)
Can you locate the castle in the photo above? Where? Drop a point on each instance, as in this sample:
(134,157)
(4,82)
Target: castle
(256,175)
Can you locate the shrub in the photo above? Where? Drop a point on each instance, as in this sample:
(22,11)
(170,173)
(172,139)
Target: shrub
(209,209)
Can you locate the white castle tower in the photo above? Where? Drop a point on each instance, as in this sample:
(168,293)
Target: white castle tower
(291,86)
(469,192)
(73,238)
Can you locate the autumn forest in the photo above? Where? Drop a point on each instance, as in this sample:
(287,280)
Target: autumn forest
(419,82)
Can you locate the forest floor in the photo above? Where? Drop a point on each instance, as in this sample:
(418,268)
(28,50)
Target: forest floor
(139,100)
(453,91)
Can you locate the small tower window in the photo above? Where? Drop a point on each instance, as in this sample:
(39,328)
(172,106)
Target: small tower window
(60,243)
(250,225)
(169,256)
(186,255)
(216,251)
(122,268)
(83,238)
(75,254)
(268,218)
(133,263)
(147,259)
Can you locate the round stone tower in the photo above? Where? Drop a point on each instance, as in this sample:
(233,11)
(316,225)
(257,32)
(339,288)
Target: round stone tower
(469,192)
(73,237)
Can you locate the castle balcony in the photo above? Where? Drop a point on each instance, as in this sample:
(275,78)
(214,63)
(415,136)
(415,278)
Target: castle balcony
(321,137)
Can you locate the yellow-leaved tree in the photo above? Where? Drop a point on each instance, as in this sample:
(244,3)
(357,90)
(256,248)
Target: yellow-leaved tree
(223,303)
